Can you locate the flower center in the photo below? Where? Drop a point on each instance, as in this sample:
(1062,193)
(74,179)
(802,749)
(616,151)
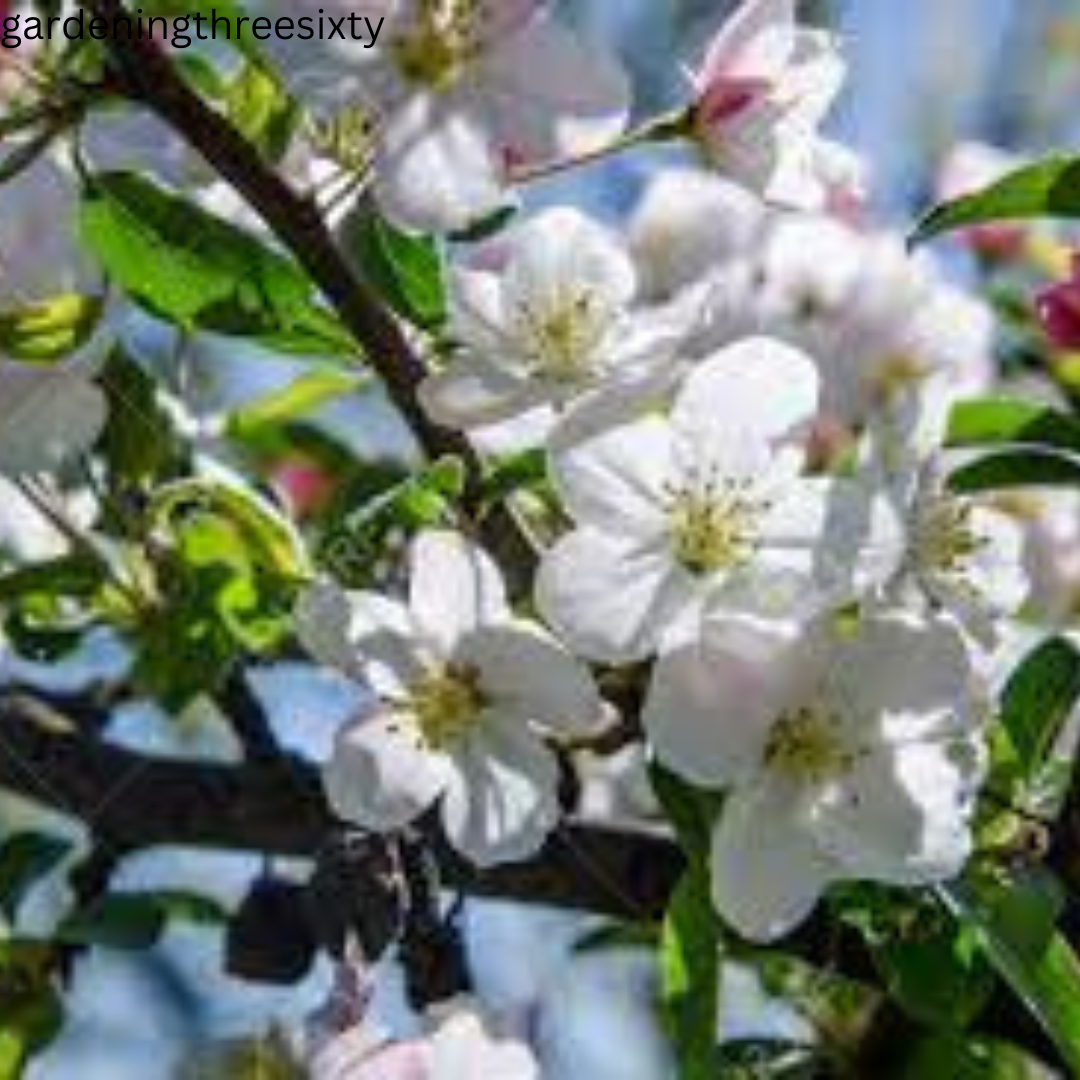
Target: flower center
(442,40)
(447,705)
(944,536)
(714,523)
(564,334)
(807,746)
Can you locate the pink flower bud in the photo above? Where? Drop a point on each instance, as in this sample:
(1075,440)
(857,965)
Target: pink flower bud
(1058,308)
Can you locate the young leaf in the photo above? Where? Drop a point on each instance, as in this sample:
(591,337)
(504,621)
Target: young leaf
(996,421)
(50,329)
(1024,467)
(1038,699)
(406,269)
(136,920)
(199,272)
(1014,922)
(1046,189)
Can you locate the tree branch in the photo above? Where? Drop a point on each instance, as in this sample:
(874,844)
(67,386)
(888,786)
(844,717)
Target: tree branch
(135,801)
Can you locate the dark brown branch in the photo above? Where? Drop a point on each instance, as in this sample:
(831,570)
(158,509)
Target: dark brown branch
(135,801)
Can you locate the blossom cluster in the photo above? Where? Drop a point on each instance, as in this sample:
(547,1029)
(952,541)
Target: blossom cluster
(742,401)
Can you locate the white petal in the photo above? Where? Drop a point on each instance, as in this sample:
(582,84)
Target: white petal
(836,533)
(755,42)
(902,677)
(529,674)
(454,588)
(561,248)
(615,480)
(464,1047)
(742,400)
(900,816)
(767,871)
(379,776)
(472,393)
(997,567)
(436,172)
(550,94)
(611,600)
(361,634)
(47,415)
(501,799)
(712,702)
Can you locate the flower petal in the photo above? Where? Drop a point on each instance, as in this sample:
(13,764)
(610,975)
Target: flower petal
(740,402)
(615,479)
(549,94)
(712,702)
(464,1047)
(903,677)
(362,634)
(767,872)
(454,588)
(900,816)
(380,777)
(501,799)
(530,674)
(472,393)
(436,171)
(561,248)
(610,599)
(756,42)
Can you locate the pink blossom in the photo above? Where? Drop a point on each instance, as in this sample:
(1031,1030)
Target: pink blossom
(763,89)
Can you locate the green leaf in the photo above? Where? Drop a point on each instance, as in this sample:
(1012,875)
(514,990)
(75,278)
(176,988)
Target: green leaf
(691,811)
(197,271)
(261,109)
(31,1012)
(690,943)
(995,421)
(613,936)
(420,501)
(407,270)
(1014,924)
(956,1057)
(1038,699)
(50,329)
(935,974)
(1046,189)
(139,444)
(1016,469)
(135,921)
(25,859)
(300,398)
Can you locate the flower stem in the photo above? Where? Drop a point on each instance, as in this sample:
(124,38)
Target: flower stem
(668,127)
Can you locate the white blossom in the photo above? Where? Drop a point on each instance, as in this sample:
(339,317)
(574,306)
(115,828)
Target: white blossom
(707,503)
(553,325)
(879,320)
(464,690)
(687,224)
(458,1043)
(961,553)
(762,92)
(845,754)
(461,91)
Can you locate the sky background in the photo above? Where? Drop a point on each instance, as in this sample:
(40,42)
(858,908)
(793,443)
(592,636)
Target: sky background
(924,74)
